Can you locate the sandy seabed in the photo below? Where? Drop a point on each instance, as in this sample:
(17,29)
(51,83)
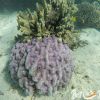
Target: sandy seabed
(86,76)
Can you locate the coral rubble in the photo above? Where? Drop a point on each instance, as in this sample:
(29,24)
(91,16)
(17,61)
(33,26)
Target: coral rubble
(41,65)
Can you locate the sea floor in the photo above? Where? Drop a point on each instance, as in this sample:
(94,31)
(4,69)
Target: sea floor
(86,76)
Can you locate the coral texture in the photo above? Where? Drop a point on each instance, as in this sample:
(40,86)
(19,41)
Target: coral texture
(43,66)
(90,1)
(53,17)
(88,14)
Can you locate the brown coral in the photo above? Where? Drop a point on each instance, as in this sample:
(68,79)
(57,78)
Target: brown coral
(54,17)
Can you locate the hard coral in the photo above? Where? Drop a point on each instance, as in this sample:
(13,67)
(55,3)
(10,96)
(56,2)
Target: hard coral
(90,1)
(88,14)
(54,17)
(41,65)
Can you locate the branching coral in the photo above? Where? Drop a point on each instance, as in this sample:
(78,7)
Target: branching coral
(54,17)
(89,14)
(41,65)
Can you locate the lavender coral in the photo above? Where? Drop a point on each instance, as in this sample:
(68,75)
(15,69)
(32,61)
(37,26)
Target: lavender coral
(41,65)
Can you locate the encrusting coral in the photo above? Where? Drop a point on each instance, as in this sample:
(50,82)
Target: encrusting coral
(41,65)
(88,14)
(53,17)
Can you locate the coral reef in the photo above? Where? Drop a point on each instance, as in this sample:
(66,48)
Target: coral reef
(41,65)
(88,14)
(90,1)
(52,17)
(41,60)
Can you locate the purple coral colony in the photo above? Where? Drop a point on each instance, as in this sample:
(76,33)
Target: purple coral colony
(42,65)
(45,65)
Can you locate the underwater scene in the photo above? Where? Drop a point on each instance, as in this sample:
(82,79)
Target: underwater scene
(49,49)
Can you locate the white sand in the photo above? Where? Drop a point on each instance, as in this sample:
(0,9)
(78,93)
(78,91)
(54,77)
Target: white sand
(87,62)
